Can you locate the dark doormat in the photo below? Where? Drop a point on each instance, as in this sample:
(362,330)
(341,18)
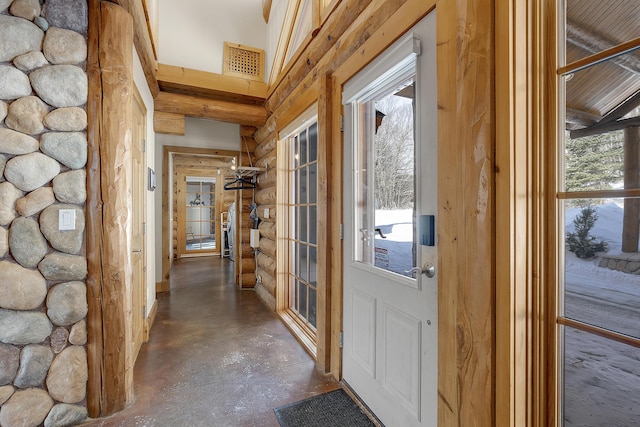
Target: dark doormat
(332,409)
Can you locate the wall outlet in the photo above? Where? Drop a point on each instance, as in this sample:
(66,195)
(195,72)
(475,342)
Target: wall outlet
(266,212)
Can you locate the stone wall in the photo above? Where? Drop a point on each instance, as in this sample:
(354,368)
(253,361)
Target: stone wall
(43,153)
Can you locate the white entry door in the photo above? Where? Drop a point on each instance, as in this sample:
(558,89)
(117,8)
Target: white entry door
(390,314)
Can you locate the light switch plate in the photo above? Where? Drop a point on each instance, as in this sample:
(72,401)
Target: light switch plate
(266,212)
(66,219)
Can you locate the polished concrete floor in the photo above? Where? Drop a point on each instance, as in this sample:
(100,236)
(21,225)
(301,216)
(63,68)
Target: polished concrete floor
(216,357)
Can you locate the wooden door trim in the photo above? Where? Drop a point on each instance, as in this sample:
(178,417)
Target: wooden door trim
(168,150)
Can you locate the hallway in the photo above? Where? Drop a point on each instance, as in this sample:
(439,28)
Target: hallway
(216,357)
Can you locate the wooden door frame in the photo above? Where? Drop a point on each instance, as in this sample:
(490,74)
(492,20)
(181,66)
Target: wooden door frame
(167,151)
(137,98)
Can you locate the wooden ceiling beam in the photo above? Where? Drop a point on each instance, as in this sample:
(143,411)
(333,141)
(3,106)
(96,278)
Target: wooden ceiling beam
(168,123)
(142,42)
(224,111)
(599,128)
(210,85)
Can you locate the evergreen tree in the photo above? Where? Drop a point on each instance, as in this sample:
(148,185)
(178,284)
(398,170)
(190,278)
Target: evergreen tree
(580,242)
(594,162)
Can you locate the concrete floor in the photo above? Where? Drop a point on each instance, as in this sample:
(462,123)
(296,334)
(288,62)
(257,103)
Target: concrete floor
(216,357)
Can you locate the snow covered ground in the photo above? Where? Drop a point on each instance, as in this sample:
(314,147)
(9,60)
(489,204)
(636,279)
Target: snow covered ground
(601,383)
(601,376)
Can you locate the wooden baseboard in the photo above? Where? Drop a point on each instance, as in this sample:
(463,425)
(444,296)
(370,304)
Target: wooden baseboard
(162,286)
(148,322)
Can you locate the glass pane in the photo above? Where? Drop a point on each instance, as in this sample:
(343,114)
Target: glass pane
(303,148)
(313,183)
(601,381)
(295,265)
(313,142)
(303,185)
(302,296)
(302,262)
(293,292)
(602,263)
(313,266)
(296,186)
(312,307)
(302,223)
(595,146)
(313,225)
(386,194)
(595,25)
(296,152)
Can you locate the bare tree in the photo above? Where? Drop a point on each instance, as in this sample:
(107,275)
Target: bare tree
(394,154)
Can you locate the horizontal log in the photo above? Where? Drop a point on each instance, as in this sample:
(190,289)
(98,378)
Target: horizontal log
(268,230)
(212,162)
(168,123)
(266,196)
(268,179)
(267,263)
(264,147)
(248,280)
(268,128)
(246,251)
(210,85)
(248,131)
(268,280)
(211,109)
(248,141)
(248,264)
(273,213)
(269,161)
(268,247)
(266,297)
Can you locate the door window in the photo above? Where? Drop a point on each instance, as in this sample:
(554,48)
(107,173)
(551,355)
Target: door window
(384,179)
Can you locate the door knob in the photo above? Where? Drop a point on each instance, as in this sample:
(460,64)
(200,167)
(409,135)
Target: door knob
(427,269)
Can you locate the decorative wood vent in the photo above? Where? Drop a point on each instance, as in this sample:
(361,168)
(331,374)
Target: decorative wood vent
(243,61)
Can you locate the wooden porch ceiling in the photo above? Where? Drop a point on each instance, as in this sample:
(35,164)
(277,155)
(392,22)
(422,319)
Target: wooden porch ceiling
(599,96)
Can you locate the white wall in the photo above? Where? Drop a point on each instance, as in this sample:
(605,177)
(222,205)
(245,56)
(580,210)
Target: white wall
(199,133)
(143,88)
(192,32)
(274,28)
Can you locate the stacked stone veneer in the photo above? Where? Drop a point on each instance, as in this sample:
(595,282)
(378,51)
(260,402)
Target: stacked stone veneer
(625,262)
(43,153)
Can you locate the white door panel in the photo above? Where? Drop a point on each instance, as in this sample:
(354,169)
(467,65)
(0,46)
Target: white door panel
(390,311)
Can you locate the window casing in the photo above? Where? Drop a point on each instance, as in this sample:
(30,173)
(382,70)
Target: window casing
(298,228)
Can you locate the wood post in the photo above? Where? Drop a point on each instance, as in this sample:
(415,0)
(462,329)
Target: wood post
(110,69)
(631,221)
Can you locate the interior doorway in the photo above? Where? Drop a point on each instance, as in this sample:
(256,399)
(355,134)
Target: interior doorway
(202,201)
